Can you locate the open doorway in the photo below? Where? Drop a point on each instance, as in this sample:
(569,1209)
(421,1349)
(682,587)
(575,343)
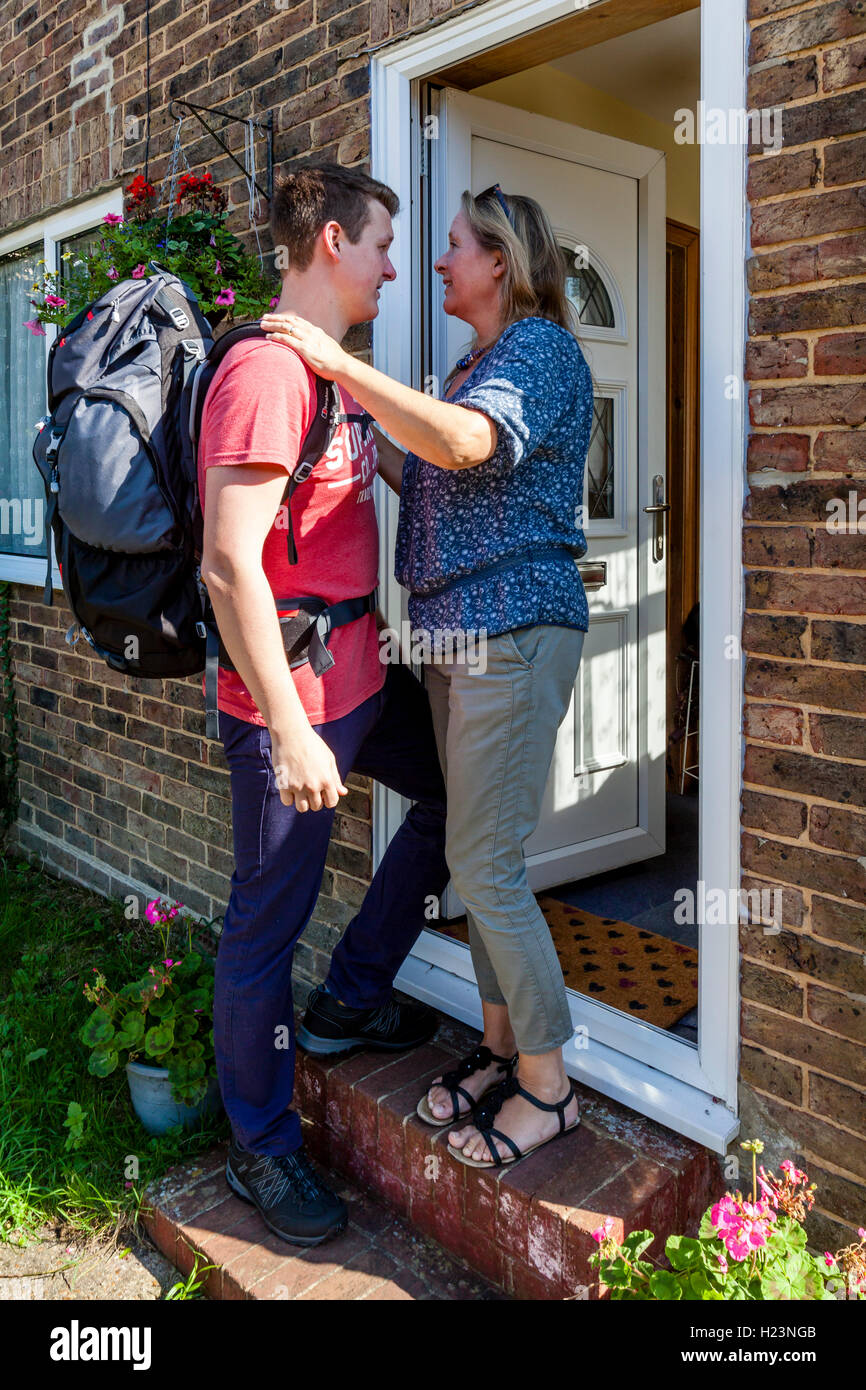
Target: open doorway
(585,134)
(580,112)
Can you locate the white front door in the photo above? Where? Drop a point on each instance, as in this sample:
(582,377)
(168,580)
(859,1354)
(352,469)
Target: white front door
(604,800)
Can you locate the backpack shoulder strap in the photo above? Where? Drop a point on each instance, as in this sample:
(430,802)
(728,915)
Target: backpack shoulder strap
(207,370)
(316,442)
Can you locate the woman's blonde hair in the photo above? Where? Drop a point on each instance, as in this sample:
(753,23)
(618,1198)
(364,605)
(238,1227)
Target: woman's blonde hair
(534,279)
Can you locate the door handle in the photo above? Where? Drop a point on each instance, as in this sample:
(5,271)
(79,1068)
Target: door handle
(658,509)
(593,573)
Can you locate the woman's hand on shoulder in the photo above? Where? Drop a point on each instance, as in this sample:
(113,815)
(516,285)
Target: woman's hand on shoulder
(320,351)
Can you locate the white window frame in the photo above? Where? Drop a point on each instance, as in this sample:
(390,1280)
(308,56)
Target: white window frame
(57,227)
(691,1090)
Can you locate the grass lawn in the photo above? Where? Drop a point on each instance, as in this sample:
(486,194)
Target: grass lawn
(81,1170)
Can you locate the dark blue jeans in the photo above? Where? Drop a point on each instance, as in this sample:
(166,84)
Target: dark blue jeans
(279,863)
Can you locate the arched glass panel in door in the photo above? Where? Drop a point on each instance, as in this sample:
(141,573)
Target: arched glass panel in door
(586,289)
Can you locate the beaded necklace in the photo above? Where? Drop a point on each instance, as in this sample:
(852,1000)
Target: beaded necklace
(471,356)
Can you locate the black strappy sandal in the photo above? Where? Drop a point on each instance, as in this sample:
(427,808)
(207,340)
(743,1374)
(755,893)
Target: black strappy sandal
(486,1112)
(475,1061)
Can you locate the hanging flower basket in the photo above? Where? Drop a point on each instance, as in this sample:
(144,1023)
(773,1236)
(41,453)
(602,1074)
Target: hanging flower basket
(194,244)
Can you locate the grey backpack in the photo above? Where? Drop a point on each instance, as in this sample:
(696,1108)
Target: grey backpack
(127,379)
(119,501)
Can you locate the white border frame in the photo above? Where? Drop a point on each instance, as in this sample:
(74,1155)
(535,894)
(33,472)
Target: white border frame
(690,1089)
(57,226)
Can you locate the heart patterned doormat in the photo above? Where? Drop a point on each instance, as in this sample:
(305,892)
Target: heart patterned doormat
(638,971)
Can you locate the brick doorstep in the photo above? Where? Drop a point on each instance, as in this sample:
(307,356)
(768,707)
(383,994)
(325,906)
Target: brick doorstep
(192,1211)
(525,1230)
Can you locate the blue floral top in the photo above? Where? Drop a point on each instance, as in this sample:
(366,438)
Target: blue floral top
(536,386)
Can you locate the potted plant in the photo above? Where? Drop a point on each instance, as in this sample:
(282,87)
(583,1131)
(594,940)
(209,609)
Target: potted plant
(744,1250)
(194,244)
(161,1025)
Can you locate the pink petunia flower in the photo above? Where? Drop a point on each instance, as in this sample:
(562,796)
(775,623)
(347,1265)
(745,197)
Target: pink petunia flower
(111,273)
(55,301)
(139,271)
(35,327)
(226,296)
(272,303)
(218,267)
(113,219)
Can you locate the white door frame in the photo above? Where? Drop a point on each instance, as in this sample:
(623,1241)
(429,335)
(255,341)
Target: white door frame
(690,1089)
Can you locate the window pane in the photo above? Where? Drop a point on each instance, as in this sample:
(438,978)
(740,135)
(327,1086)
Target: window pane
(70,265)
(585,288)
(22,402)
(600,461)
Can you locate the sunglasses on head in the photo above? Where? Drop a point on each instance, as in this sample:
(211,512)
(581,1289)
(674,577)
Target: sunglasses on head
(495,191)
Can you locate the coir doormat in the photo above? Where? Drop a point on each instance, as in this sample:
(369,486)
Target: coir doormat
(638,971)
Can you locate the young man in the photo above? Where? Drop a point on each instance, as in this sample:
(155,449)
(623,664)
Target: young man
(291,737)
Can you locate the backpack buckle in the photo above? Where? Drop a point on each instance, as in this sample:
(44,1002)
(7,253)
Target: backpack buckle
(303,471)
(73,628)
(178,317)
(192,348)
(53,445)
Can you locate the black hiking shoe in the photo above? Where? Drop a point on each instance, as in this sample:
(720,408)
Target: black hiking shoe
(292,1200)
(329,1027)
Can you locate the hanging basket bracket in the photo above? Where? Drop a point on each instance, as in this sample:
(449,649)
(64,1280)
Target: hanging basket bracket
(266,126)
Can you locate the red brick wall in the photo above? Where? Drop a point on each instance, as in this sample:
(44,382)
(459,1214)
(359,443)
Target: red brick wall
(803,1072)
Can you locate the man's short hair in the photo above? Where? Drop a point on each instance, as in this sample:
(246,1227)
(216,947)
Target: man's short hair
(305,200)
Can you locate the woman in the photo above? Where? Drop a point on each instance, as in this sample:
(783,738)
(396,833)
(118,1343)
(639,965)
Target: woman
(490,493)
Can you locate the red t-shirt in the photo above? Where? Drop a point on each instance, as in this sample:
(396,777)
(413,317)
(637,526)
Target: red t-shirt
(257,410)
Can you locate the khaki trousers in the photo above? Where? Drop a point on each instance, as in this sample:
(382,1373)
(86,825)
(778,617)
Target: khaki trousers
(496,726)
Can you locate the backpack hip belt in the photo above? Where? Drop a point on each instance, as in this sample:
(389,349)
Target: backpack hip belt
(304,637)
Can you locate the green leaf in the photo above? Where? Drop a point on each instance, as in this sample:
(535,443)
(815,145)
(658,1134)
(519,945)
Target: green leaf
(682,1251)
(191,962)
(131,1030)
(158,1039)
(102,1061)
(34,1056)
(707,1230)
(700,1285)
(98,1029)
(163,1008)
(796,1234)
(665,1286)
(776,1285)
(615,1273)
(637,1242)
(185,1029)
